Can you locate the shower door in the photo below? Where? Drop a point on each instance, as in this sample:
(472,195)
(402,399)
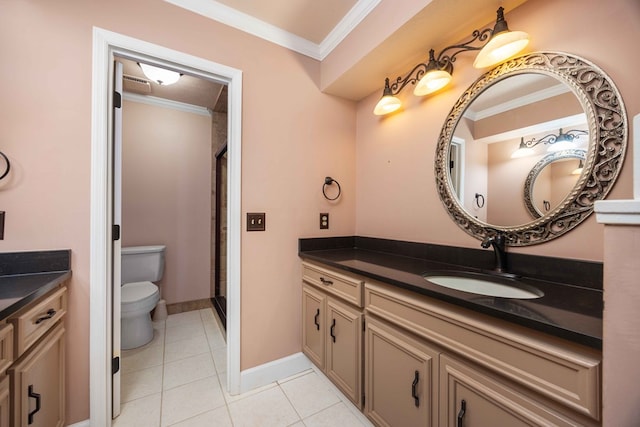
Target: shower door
(220,275)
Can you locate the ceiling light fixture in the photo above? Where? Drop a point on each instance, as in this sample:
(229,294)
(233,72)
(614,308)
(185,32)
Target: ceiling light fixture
(436,73)
(559,142)
(161,76)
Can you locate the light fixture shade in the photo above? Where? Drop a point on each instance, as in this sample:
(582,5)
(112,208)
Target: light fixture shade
(501,47)
(160,75)
(522,152)
(578,170)
(387,104)
(432,81)
(560,145)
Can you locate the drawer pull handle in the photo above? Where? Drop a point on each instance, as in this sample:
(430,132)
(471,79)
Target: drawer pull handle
(326,282)
(315,319)
(37,397)
(414,385)
(50,313)
(331,332)
(463,409)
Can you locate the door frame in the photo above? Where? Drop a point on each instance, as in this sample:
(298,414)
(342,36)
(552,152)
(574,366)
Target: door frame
(105,45)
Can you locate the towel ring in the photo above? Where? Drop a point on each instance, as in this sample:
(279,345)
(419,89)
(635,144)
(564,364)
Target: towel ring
(328,181)
(6,159)
(479,200)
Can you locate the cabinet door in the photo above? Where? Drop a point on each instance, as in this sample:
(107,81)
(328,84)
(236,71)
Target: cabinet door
(313,325)
(488,402)
(401,377)
(5,402)
(344,349)
(37,383)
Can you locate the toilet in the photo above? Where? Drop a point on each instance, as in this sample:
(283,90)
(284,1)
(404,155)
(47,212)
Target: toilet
(141,266)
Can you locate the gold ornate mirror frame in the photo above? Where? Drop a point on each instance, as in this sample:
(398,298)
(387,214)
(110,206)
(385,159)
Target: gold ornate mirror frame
(608,133)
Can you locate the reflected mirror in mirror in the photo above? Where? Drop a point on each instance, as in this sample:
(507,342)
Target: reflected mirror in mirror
(523,109)
(539,103)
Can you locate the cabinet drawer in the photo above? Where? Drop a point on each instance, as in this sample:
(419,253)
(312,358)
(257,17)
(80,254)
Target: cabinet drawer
(32,323)
(561,371)
(6,346)
(339,285)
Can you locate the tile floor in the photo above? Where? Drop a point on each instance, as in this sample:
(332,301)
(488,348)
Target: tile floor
(179,380)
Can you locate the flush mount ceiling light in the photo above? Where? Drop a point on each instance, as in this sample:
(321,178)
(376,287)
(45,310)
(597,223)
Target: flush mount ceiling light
(436,73)
(160,75)
(561,141)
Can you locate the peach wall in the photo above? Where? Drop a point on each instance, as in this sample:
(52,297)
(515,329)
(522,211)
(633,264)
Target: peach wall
(397,197)
(166,193)
(293,136)
(621,324)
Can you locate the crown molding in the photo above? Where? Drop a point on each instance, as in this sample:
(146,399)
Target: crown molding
(166,103)
(517,102)
(251,25)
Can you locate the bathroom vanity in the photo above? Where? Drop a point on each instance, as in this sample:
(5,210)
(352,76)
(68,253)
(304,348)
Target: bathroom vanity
(33,304)
(409,352)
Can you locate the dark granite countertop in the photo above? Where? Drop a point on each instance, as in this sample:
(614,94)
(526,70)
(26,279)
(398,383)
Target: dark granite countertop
(567,310)
(26,276)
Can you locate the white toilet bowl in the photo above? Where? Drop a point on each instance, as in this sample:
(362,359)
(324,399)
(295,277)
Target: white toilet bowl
(141,266)
(138,299)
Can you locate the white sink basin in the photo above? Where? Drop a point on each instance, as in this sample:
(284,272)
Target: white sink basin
(483,286)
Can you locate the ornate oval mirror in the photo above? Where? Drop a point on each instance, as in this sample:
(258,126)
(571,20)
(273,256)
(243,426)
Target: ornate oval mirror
(537,104)
(551,179)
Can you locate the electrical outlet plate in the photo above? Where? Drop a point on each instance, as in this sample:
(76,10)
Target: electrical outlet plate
(256,221)
(324,221)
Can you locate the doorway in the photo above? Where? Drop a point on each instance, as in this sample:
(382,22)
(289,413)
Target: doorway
(106,45)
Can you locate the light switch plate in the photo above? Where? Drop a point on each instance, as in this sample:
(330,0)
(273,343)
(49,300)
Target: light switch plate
(256,221)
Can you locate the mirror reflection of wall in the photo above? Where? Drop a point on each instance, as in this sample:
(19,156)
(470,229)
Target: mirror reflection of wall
(525,107)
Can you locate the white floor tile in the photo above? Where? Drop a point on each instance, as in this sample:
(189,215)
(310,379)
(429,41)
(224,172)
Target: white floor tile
(336,415)
(185,318)
(141,358)
(144,412)
(217,417)
(179,380)
(144,382)
(187,370)
(183,332)
(309,395)
(185,348)
(269,408)
(189,400)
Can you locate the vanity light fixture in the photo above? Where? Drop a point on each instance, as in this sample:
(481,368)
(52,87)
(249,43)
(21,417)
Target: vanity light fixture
(578,170)
(436,73)
(502,45)
(559,142)
(159,75)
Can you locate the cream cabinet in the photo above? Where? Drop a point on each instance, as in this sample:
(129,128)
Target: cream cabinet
(401,377)
(36,376)
(332,327)
(429,363)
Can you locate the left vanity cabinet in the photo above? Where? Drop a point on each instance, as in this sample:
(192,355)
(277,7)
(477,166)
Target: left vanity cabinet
(332,326)
(32,391)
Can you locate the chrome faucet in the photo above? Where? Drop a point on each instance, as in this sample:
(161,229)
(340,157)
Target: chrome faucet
(498,242)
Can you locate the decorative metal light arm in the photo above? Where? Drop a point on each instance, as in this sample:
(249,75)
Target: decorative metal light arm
(552,138)
(443,62)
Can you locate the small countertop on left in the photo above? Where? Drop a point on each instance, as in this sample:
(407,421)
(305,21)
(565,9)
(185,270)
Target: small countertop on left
(25,276)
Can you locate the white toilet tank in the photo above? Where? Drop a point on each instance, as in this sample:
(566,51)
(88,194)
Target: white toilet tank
(142,263)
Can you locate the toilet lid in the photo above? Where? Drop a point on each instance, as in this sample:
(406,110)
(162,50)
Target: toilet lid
(136,291)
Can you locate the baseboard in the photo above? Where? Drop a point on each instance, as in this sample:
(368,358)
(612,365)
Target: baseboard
(273,371)
(85,423)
